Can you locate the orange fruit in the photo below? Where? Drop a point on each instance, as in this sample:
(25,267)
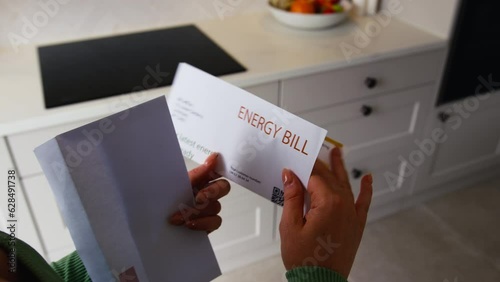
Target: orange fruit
(302,6)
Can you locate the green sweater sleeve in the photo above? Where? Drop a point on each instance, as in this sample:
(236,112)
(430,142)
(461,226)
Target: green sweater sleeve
(71,268)
(29,262)
(313,274)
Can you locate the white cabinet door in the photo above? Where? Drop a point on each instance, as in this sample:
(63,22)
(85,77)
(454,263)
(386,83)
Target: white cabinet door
(23,144)
(376,124)
(54,233)
(471,141)
(267,91)
(25,226)
(246,234)
(392,177)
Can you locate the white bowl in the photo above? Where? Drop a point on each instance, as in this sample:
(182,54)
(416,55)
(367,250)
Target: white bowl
(310,21)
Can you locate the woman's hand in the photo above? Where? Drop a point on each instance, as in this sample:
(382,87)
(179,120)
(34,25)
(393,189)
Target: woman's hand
(208,191)
(330,233)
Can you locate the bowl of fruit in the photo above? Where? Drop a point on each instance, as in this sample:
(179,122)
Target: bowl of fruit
(310,14)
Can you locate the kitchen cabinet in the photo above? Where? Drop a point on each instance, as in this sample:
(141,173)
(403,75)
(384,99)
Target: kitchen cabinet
(470,141)
(378,128)
(378,123)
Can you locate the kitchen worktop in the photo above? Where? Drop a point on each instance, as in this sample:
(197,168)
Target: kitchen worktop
(269,50)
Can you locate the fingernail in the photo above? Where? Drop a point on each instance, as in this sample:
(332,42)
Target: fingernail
(287,177)
(200,200)
(208,192)
(369,177)
(176,219)
(191,224)
(212,158)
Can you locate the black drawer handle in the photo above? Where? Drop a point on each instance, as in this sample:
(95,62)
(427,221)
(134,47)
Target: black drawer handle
(366,110)
(356,173)
(443,117)
(370,82)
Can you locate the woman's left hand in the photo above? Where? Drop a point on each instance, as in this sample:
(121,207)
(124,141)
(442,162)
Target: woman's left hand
(208,191)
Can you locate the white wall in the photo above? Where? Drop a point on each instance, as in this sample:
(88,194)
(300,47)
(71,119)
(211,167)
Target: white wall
(435,16)
(80,19)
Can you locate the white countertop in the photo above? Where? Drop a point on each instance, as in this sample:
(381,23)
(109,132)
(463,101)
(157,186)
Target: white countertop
(269,50)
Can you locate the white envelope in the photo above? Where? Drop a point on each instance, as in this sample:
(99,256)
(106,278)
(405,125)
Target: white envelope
(116,181)
(256,139)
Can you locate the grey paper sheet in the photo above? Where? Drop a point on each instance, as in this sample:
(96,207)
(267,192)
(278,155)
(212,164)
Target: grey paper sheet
(116,181)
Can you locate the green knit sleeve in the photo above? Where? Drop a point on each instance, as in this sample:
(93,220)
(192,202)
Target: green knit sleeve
(33,265)
(313,274)
(71,268)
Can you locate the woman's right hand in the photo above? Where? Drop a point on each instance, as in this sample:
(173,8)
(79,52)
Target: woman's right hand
(330,233)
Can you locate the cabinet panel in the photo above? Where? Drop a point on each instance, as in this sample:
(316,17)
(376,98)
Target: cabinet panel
(376,124)
(319,90)
(471,142)
(23,145)
(247,225)
(25,227)
(392,176)
(268,91)
(476,140)
(54,233)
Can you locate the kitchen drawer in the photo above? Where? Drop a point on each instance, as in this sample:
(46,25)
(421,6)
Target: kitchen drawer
(393,176)
(23,144)
(393,180)
(376,124)
(53,231)
(319,90)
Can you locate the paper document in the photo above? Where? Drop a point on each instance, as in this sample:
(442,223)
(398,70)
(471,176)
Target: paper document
(256,139)
(116,181)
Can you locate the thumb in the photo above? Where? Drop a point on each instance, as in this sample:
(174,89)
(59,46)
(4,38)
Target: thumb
(293,208)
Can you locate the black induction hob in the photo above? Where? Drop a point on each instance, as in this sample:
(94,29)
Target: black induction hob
(92,69)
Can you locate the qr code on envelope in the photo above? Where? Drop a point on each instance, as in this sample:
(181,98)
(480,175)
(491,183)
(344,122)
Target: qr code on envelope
(278,196)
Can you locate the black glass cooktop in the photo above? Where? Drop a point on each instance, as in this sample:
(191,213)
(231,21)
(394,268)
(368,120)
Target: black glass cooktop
(92,69)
